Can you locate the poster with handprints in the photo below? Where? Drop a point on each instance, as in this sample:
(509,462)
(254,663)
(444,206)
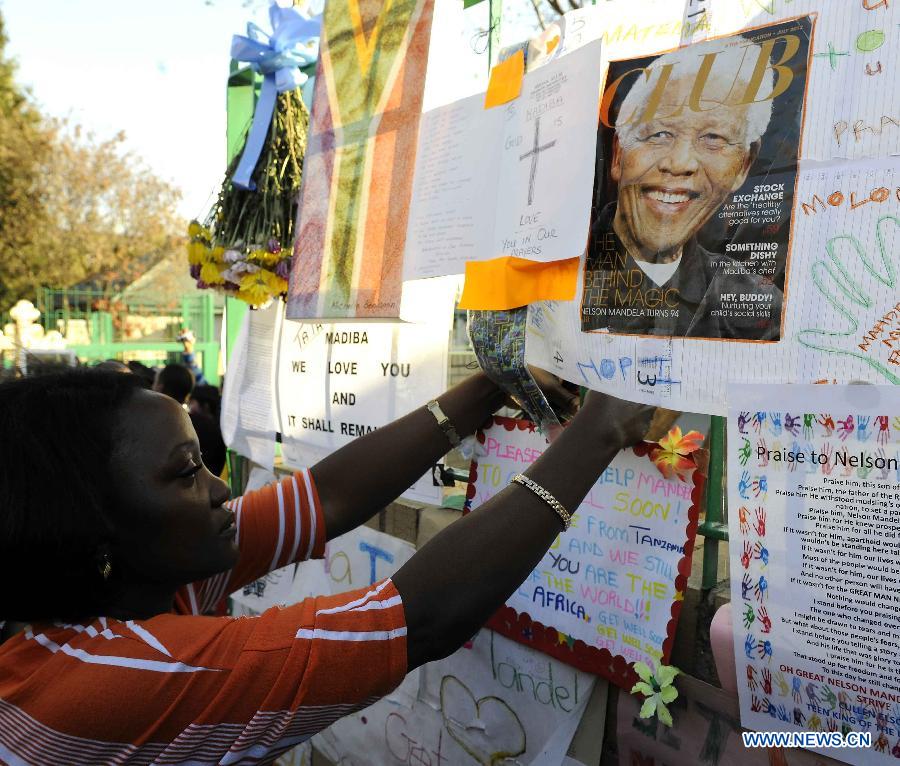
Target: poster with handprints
(608,592)
(492,702)
(813,487)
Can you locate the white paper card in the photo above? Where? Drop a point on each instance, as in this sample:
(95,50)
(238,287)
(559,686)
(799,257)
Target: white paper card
(813,482)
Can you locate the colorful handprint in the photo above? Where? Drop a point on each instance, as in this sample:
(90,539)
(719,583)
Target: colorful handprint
(761,589)
(747,554)
(792,423)
(749,615)
(783,688)
(758,419)
(760,525)
(827,423)
(744,452)
(845,428)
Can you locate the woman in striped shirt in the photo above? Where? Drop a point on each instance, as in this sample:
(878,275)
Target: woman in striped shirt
(115,540)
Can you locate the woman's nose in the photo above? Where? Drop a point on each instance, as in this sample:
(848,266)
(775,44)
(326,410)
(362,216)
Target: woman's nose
(219,492)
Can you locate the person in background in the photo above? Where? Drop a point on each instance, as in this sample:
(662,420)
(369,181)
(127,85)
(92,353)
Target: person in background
(145,373)
(112,557)
(112,365)
(206,400)
(177,382)
(188,358)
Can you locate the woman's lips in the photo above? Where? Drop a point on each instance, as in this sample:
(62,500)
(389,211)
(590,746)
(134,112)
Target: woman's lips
(229,527)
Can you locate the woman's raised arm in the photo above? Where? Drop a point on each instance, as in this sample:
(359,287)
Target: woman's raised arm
(361,478)
(455,582)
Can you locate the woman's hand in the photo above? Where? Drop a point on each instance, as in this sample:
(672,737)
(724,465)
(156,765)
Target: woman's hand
(562,395)
(625,422)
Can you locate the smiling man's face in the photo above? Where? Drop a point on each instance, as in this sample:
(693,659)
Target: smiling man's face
(675,172)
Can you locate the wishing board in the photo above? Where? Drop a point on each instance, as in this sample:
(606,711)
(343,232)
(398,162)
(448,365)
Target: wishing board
(842,214)
(336,382)
(493,701)
(608,592)
(840,320)
(358,168)
(814,538)
(506,181)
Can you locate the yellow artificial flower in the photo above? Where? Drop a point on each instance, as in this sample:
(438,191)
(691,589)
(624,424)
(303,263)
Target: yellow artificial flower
(279,285)
(197,231)
(657,689)
(255,287)
(264,257)
(213,255)
(261,286)
(196,252)
(211,273)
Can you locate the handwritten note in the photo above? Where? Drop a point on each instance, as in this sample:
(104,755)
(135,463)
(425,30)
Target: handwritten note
(613,581)
(853,111)
(337,382)
(514,180)
(491,702)
(358,558)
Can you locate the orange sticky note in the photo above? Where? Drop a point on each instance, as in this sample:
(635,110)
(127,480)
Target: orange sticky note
(509,282)
(551,45)
(506,80)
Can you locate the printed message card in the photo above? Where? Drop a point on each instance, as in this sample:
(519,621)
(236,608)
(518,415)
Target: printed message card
(814,529)
(608,592)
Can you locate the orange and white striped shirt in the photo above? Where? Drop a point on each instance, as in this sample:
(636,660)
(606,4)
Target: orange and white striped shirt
(182,688)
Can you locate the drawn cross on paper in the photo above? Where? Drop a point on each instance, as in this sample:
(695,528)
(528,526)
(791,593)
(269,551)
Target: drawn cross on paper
(533,153)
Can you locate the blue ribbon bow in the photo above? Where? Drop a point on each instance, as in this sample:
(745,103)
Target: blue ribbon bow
(294,43)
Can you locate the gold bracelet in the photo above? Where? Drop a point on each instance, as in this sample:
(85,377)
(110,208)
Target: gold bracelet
(544,495)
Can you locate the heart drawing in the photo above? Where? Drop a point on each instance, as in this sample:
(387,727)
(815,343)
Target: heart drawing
(487,729)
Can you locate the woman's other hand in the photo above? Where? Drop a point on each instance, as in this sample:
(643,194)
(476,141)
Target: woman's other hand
(626,422)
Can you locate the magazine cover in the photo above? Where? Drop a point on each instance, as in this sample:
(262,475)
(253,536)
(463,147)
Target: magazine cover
(697,163)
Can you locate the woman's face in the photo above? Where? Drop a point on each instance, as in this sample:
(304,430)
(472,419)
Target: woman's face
(171,527)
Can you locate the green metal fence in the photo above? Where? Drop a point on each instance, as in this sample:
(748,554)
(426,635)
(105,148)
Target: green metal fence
(98,319)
